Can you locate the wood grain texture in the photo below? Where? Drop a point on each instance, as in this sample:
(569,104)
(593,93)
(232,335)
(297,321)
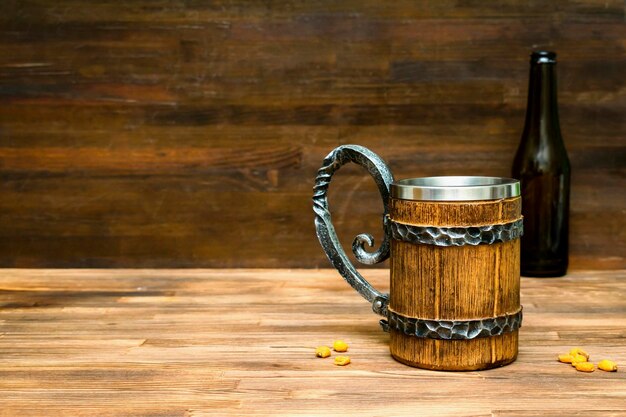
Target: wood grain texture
(176,133)
(190,343)
(455,283)
(455,213)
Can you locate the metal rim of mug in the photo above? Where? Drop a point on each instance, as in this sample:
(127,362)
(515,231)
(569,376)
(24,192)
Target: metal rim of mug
(455,188)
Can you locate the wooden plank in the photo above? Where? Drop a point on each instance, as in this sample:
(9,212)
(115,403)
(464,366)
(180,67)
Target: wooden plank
(190,343)
(126,130)
(113,218)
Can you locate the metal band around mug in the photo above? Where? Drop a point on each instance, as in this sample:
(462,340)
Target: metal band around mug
(453,329)
(457,236)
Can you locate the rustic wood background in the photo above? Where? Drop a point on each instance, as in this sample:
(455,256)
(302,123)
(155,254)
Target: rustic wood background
(152,133)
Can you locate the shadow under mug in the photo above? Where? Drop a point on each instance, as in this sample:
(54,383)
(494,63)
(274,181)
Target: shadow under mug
(453,244)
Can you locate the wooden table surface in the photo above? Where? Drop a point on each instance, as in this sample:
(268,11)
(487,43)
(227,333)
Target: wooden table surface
(241,342)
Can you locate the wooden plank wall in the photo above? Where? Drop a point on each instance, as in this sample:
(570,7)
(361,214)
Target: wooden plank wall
(152,133)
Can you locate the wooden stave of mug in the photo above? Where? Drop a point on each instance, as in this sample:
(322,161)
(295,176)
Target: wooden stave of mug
(455,283)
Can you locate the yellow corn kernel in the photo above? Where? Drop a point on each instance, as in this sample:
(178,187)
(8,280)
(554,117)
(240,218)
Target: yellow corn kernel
(340,346)
(584,366)
(579,351)
(342,360)
(577,359)
(565,358)
(607,365)
(322,352)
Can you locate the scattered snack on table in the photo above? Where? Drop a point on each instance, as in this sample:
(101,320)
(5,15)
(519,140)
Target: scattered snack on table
(577,359)
(322,352)
(584,366)
(579,351)
(342,360)
(340,346)
(565,358)
(607,365)
(580,360)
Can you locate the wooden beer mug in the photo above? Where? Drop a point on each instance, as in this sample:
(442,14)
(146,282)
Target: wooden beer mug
(454,301)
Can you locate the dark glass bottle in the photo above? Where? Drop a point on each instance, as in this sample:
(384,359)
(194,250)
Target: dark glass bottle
(542,166)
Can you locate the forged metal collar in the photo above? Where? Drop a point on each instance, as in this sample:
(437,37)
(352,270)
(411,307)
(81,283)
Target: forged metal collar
(458,236)
(452,329)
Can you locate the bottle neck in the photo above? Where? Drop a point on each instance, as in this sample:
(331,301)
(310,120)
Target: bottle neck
(542,117)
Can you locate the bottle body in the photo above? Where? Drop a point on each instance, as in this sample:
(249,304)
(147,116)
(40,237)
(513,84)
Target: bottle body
(543,168)
(545,243)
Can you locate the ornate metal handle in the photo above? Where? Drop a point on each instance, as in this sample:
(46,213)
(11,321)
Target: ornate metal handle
(326,232)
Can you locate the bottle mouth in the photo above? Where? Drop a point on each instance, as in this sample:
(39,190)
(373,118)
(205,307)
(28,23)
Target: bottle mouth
(455,188)
(543,57)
